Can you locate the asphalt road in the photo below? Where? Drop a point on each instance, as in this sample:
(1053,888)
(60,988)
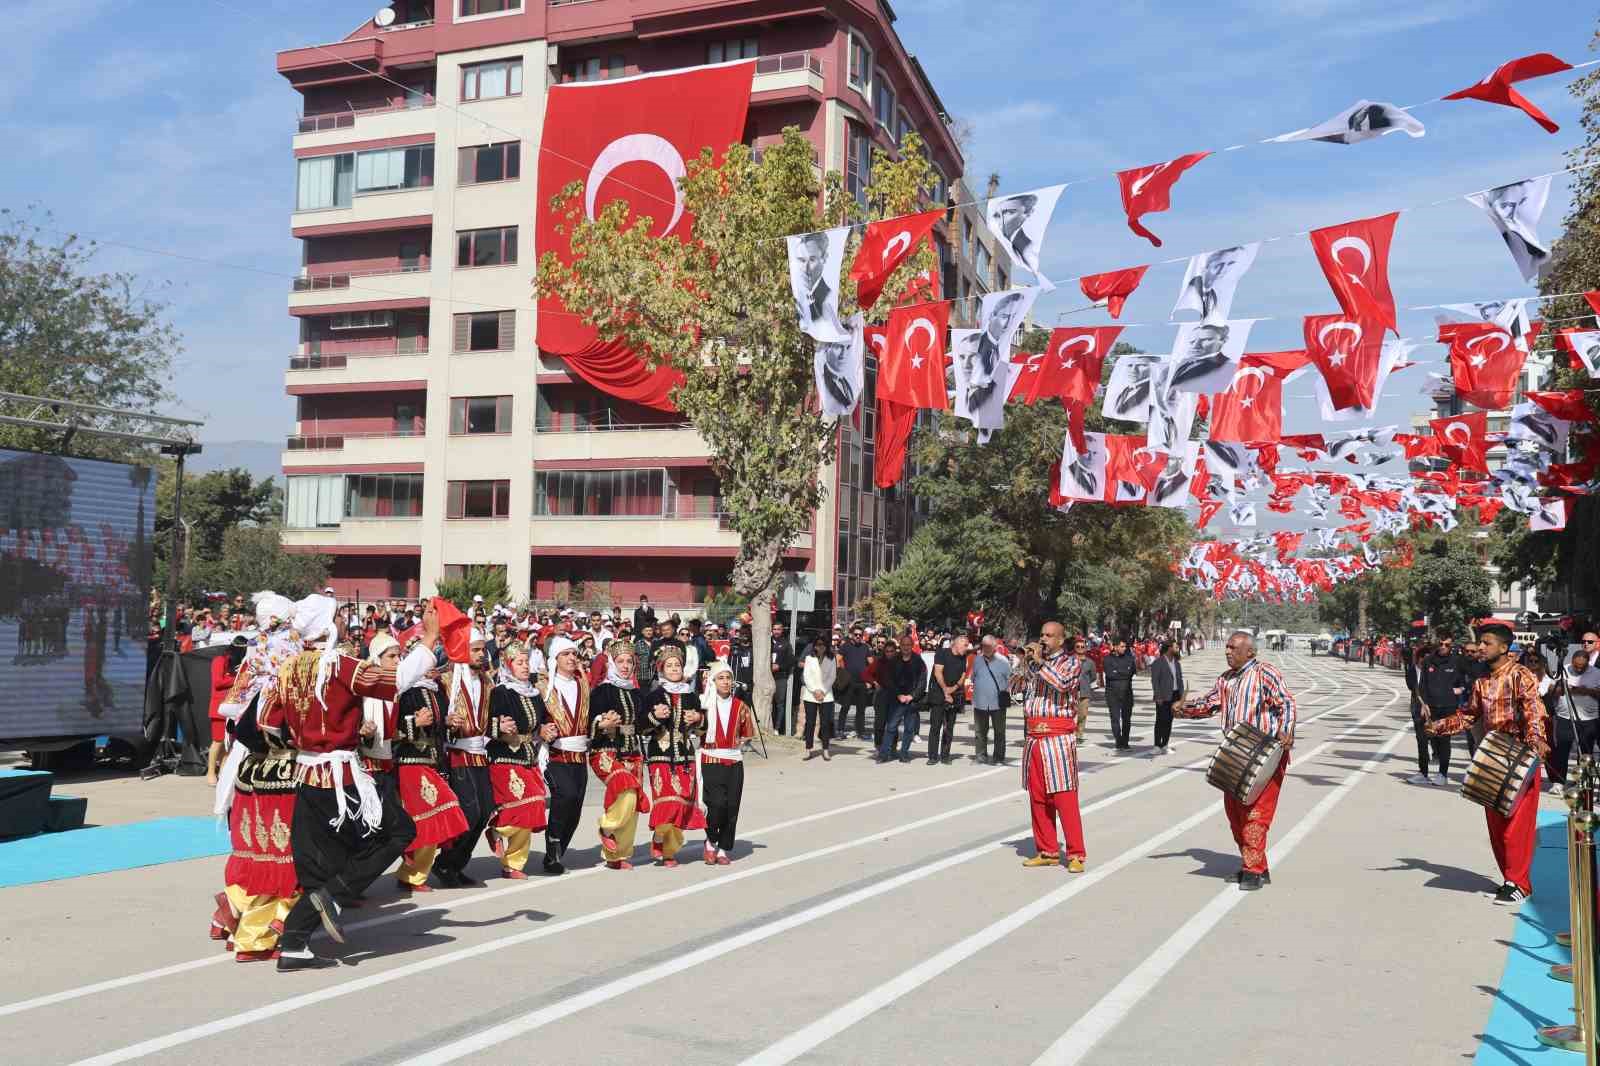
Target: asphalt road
(872,915)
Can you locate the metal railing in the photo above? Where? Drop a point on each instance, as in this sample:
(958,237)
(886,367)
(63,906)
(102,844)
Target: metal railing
(332,442)
(343,120)
(328,282)
(601,423)
(362,350)
(785,62)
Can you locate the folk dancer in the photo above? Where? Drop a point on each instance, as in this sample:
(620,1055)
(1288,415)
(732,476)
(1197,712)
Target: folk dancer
(1053,711)
(564,726)
(341,835)
(519,794)
(615,754)
(669,723)
(224,671)
(1506,700)
(407,737)
(1251,691)
(729,722)
(468,752)
(255,792)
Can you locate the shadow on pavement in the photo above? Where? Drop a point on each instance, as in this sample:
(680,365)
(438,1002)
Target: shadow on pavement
(1450,878)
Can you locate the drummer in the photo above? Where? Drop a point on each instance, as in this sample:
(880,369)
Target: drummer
(1507,701)
(1251,691)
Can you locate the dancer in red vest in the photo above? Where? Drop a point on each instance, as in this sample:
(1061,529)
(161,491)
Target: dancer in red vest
(729,722)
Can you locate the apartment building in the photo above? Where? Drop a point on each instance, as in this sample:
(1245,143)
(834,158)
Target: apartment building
(430,434)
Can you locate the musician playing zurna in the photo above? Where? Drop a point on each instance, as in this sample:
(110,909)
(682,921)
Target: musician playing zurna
(1254,692)
(1053,712)
(1507,700)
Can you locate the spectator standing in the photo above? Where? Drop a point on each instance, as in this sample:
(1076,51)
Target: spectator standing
(1166,683)
(1118,667)
(643,615)
(854,657)
(1444,678)
(903,680)
(1576,688)
(782,668)
(991,697)
(946,697)
(818,675)
(644,655)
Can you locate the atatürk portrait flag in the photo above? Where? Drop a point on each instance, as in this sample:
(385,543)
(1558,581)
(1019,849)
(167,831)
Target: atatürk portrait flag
(1355,258)
(1149,189)
(884,246)
(1361,121)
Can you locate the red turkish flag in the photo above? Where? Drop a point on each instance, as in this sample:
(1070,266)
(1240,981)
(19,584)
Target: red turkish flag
(1355,258)
(1071,365)
(1594,301)
(1149,189)
(1496,88)
(1484,361)
(1346,349)
(1461,439)
(629,139)
(1114,287)
(913,368)
(1281,363)
(1568,404)
(884,246)
(1417,446)
(1250,411)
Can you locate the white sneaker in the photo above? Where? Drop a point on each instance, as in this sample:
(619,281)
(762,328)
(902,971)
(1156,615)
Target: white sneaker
(1419,779)
(1558,790)
(1442,779)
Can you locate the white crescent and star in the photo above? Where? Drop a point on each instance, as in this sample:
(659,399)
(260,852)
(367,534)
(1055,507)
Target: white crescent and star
(917,326)
(1360,247)
(902,241)
(638,148)
(1067,362)
(1337,356)
(1466,432)
(1140,182)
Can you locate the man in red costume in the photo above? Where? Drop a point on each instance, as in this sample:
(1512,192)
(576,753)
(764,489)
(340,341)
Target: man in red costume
(1053,712)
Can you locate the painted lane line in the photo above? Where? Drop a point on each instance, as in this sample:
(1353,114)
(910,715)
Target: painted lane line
(1074,1045)
(185,1036)
(67,995)
(834,1022)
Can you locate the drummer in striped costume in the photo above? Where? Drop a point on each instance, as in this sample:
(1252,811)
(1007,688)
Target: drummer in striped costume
(1052,714)
(1507,701)
(1251,691)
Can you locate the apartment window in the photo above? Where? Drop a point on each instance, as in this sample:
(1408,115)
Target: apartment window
(388,169)
(361,320)
(486,331)
(594,68)
(1002,280)
(325,181)
(486,247)
(472,415)
(313,502)
(489,162)
(383,495)
(857,162)
(966,234)
(407,419)
(860,64)
(489,7)
(478,499)
(883,103)
(727,51)
(981,261)
(600,493)
(902,126)
(489,81)
(940,191)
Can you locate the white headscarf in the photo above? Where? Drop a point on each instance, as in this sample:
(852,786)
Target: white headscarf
(615,678)
(271,609)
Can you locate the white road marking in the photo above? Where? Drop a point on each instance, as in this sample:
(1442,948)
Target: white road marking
(1075,1044)
(836,1021)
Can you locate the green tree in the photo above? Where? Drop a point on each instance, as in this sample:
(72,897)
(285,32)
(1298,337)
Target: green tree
(69,333)
(252,558)
(486,581)
(717,309)
(1446,582)
(213,504)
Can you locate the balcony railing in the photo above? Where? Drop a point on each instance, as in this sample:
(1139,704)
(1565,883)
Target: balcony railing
(785,62)
(329,282)
(332,442)
(602,422)
(343,120)
(357,350)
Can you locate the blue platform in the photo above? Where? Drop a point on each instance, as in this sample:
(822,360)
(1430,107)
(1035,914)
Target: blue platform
(102,849)
(1528,997)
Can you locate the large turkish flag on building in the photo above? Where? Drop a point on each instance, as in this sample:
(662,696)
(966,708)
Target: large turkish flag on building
(629,139)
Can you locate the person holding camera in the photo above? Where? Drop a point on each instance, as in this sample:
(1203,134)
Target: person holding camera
(1575,691)
(991,698)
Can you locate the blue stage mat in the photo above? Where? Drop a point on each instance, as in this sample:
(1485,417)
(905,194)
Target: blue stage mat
(101,849)
(1527,997)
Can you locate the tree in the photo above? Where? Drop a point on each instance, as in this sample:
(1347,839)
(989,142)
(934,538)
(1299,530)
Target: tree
(1446,582)
(486,581)
(213,504)
(71,334)
(717,309)
(251,558)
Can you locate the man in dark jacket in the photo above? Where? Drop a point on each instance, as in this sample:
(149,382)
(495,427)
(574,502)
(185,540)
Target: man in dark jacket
(1166,682)
(1443,681)
(903,679)
(782,667)
(1119,667)
(643,615)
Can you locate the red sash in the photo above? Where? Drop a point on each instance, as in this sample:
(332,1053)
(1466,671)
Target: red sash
(1050,727)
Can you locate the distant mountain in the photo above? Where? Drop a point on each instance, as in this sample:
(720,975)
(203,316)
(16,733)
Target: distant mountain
(262,458)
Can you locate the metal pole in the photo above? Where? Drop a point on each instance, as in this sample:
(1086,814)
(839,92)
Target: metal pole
(169,640)
(1572,1037)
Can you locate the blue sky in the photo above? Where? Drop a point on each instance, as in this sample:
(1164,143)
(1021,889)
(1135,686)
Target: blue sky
(184,108)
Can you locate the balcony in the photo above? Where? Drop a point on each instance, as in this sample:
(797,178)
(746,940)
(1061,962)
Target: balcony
(788,76)
(665,535)
(408,283)
(403,209)
(355,363)
(334,121)
(358,533)
(666,444)
(354,449)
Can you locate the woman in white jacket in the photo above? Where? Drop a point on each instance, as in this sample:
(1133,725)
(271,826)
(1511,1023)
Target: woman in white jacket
(816,692)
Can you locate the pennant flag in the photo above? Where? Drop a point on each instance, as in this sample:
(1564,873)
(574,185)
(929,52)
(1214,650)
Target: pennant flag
(1130,391)
(1172,416)
(1567,404)
(455,630)
(1531,422)
(838,371)
(1461,439)
(1018,222)
(1584,347)
(1496,88)
(1077,356)
(1484,362)
(1148,189)
(1171,488)
(895,422)
(1515,210)
(1347,351)
(815,260)
(1206,354)
(884,246)
(1211,279)
(1250,411)
(1511,314)
(1281,363)
(1208,511)
(1114,288)
(1389,360)
(981,390)
(1593,299)
(1551,515)
(1361,121)
(1083,470)
(913,367)
(1354,256)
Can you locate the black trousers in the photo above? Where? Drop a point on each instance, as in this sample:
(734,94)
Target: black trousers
(565,782)
(338,860)
(880,716)
(1163,723)
(852,694)
(780,684)
(941,727)
(1119,708)
(1438,747)
(1570,733)
(472,788)
(724,785)
(818,723)
(982,721)
(388,783)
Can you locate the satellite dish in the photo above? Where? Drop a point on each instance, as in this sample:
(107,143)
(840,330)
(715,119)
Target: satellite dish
(384,17)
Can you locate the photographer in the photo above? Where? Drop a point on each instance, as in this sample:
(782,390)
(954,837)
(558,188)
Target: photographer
(1575,691)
